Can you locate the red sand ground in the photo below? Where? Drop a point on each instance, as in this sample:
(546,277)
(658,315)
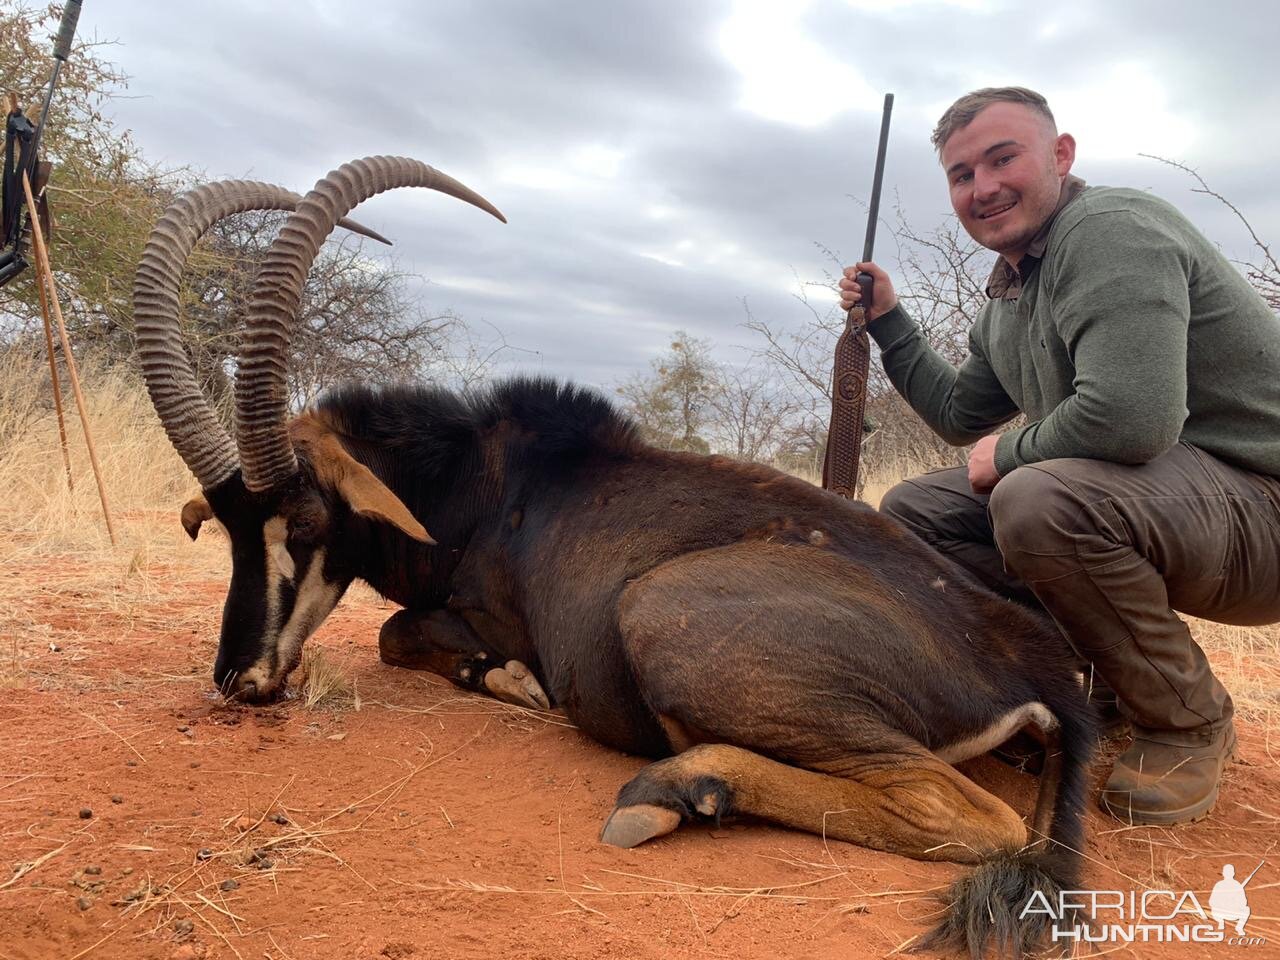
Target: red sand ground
(429,823)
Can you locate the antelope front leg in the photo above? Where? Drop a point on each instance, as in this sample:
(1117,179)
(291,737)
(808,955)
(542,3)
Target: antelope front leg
(441,641)
(515,683)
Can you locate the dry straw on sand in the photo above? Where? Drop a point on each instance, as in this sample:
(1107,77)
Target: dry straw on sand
(324,681)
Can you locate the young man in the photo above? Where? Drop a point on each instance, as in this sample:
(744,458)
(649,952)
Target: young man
(1147,478)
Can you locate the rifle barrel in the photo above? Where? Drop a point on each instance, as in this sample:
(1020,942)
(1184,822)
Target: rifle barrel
(61,50)
(67,29)
(873,211)
(1250,876)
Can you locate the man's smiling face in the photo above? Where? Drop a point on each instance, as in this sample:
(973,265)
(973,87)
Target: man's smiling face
(1005,171)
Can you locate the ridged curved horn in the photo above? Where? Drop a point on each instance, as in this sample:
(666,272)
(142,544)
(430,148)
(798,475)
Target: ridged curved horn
(262,382)
(191,425)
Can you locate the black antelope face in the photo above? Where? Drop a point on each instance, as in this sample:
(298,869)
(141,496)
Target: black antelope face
(288,565)
(283,583)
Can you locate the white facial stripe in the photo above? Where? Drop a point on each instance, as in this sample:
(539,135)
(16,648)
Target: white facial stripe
(276,534)
(315,599)
(282,559)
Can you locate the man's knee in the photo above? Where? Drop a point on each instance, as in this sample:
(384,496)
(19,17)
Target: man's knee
(1035,512)
(926,509)
(902,502)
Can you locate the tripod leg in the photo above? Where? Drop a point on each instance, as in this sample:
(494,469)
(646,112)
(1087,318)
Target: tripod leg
(46,276)
(53,374)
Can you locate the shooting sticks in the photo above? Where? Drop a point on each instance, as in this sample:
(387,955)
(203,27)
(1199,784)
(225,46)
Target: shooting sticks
(22,165)
(44,276)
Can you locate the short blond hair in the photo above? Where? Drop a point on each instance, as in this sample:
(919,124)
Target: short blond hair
(961,113)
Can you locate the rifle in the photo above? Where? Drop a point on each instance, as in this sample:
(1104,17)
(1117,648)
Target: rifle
(1250,876)
(21,160)
(853,356)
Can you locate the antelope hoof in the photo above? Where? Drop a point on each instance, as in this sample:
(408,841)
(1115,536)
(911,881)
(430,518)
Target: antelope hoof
(631,826)
(515,683)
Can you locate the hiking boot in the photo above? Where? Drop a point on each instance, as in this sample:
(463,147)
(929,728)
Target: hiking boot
(1168,776)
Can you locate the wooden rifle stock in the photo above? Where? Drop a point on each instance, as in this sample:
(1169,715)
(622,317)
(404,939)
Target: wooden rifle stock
(853,356)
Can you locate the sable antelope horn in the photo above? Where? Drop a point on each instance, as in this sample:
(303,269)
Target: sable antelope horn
(262,384)
(191,425)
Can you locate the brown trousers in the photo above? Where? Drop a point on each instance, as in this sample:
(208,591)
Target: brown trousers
(1110,551)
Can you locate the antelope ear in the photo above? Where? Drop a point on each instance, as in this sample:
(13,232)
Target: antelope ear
(195,512)
(354,482)
(369,497)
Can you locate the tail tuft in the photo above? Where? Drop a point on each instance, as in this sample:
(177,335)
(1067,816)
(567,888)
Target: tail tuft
(986,908)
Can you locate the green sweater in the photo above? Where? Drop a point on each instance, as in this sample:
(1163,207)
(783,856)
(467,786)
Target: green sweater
(1132,333)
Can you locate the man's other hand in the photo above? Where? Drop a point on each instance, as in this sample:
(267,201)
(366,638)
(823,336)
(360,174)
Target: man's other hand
(883,299)
(982,465)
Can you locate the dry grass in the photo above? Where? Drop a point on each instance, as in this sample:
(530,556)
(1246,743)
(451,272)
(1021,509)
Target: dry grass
(11,669)
(876,478)
(325,683)
(256,851)
(1247,660)
(142,473)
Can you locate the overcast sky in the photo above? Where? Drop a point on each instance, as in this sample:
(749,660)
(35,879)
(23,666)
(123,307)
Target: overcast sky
(661,162)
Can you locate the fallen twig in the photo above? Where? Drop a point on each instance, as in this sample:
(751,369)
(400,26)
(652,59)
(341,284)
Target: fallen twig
(89,716)
(25,868)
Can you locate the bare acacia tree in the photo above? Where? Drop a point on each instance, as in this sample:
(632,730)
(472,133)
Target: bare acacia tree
(690,401)
(752,416)
(103,196)
(360,316)
(944,282)
(672,402)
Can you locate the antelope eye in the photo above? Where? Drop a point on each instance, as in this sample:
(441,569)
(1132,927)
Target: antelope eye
(308,522)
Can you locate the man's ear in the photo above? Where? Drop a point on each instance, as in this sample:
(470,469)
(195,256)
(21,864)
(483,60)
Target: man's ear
(352,480)
(195,512)
(1064,153)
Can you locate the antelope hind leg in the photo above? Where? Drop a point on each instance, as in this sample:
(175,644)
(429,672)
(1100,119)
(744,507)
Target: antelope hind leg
(912,804)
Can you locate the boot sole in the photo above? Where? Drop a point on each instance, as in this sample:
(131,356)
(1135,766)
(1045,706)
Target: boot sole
(1159,818)
(1193,813)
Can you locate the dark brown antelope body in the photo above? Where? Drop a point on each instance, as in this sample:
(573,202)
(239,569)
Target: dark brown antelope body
(780,651)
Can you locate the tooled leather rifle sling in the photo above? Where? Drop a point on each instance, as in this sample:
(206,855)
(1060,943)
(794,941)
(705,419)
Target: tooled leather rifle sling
(853,357)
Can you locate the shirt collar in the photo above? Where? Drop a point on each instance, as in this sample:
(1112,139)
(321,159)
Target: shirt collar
(1005,282)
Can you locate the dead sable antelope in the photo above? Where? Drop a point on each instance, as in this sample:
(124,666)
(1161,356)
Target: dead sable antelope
(791,655)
